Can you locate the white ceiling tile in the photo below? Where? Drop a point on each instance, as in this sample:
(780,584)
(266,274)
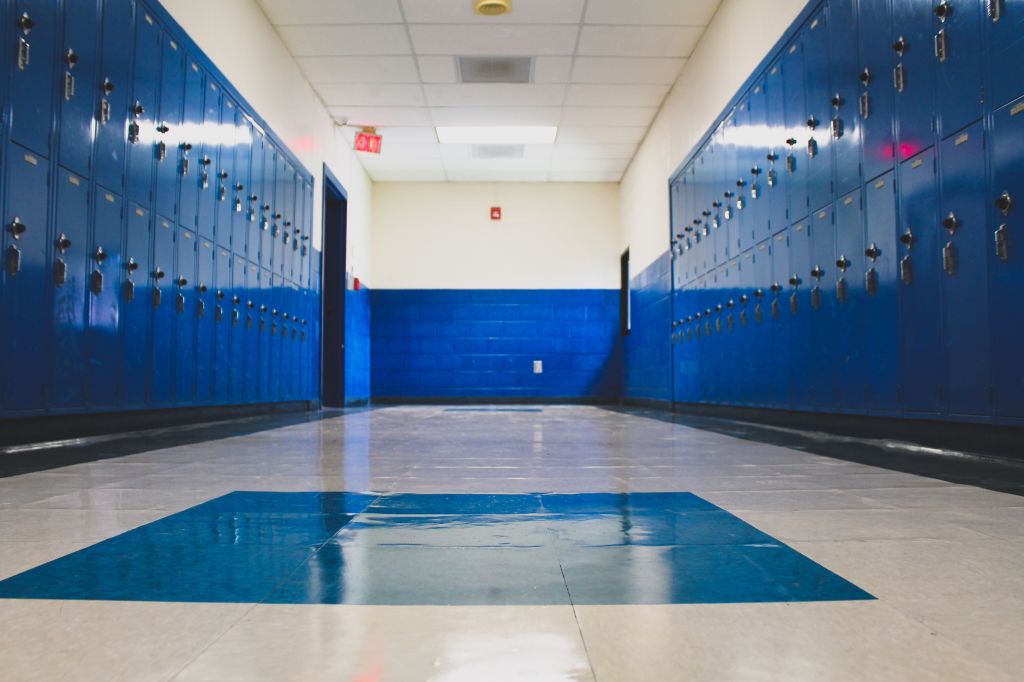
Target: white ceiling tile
(371,95)
(494,94)
(394,151)
(590,165)
(424,135)
(507,41)
(615,95)
(359,69)
(284,12)
(438,69)
(652,12)
(410,175)
(487,116)
(497,175)
(523,12)
(552,69)
(564,150)
(601,134)
(455,155)
(626,70)
(638,41)
(608,116)
(326,41)
(585,176)
(383,116)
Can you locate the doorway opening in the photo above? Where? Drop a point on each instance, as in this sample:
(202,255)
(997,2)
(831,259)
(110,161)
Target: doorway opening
(625,308)
(335,212)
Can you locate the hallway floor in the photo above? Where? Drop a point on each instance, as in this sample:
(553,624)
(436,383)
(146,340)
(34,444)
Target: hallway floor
(501,543)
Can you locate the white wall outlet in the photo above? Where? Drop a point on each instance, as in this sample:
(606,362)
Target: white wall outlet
(538,366)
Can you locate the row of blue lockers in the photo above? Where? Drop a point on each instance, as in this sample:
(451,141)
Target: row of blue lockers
(157,243)
(848,237)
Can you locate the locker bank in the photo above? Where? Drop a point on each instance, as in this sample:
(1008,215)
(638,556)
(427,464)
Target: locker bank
(506,339)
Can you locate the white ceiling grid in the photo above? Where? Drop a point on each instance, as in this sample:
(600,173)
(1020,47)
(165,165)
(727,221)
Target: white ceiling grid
(601,70)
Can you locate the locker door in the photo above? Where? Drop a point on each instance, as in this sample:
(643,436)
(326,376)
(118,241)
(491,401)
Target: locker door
(267,354)
(753,170)
(760,345)
(844,126)
(295,242)
(849,300)
(307,235)
(882,304)
(920,271)
(190,147)
(304,370)
(163,302)
(255,198)
(284,195)
(235,326)
(137,297)
(223,368)
(732,196)
(959,75)
(774,159)
(1005,26)
(255,367)
(818,114)
(114,83)
(79,67)
(718,251)
(68,276)
(209,164)
(240,186)
(795,159)
(25,284)
(185,304)
(821,279)
(226,176)
(169,130)
(204,311)
(798,315)
(1007,268)
(276,338)
(875,103)
(913,76)
(103,336)
(778,316)
(267,207)
(743,350)
(32,82)
(966,244)
(143,109)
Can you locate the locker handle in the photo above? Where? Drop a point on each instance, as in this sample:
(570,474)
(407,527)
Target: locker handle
(287,223)
(707,312)
(100,255)
(706,214)
(994,9)
(730,304)
(132,265)
(108,86)
(17,228)
(812,123)
(63,243)
(277,216)
(202,289)
(843,263)
(817,272)
(12,260)
(940,45)
(220,295)
(791,141)
(718,308)
(951,222)
(1002,238)
(1004,202)
(741,183)
(755,171)
(263,308)
(205,161)
(716,204)
(305,237)
(24,54)
(186,147)
(249,304)
(223,175)
(900,46)
(873,252)
(181,282)
(239,187)
(758,293)
(907,238)
(253,198)
(158,274)
(943,10)
(138,109)
(238,299)
(71,58)
(163,129)
(773,157)
(744,298)
(837,101)
(728,195)
(699,316)
(676,323)
(27,23)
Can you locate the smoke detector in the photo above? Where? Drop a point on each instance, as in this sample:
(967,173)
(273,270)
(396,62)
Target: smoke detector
(492,8)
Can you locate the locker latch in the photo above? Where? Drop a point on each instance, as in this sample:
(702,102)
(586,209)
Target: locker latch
(865,105)
(157,297)
(837,128)
(994,9)
(907,239)
(180,303)
(24,54)
(12,260)
(218,313)
(941,48)
(871,281)
(812,147)
(201,309)
(96,282)
(129,290)
(816,297)
(949,258)
(943,10)
(900,46)
(898,78)
(71,59)
(108,87)
(906,270)
(1004,202)
(841,289)
(1002,237)
(951,223)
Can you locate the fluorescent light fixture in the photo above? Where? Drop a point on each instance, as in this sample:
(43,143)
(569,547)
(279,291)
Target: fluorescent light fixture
(497,134)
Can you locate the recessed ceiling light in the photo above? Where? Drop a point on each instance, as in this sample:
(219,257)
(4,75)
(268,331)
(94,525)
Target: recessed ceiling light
(497,134)
(492,8)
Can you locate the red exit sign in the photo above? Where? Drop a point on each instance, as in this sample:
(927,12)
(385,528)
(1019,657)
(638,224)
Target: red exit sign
(368,142)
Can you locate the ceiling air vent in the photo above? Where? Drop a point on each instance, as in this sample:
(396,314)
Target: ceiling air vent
(498,151)
(495,69)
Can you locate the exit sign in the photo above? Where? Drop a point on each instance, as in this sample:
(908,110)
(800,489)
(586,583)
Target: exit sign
(368,142)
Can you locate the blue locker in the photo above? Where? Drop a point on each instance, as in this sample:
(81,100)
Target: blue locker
(844,123)
(743,351)
(106,266)
(913,76)
(191,150)
(169,128)
(207,320)
(224,358)
(163,302)
(185,304)
(284,196)
(1005,28)
(142,111)
(959,75)
(254,347)
(756,162)
(25,283)
(795,159)
(798,315)
(882,305)
(114,84)
(68,265)
(226,176)
(256,199)
(267,354)
(820,279)
(1007,262)
(850,299)
(777,370)
(235,329)
(966,245)
(731,130)
(137,299)
(920,274)
(79,67)
(307,229)
(818,114)
(33,73)
(761,344)
(277,347)
(209,163)
(240,187)
(267,209)
(875,104)
(774,169)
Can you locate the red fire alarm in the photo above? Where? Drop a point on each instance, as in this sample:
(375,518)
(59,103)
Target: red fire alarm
(356,284)
(495,212)
(368,141)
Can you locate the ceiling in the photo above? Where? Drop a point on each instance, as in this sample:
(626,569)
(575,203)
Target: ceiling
(600,71)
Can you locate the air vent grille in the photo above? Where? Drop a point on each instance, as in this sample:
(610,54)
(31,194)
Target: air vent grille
(495,69)
(498,151)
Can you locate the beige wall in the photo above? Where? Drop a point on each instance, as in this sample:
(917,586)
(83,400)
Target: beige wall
(551,236)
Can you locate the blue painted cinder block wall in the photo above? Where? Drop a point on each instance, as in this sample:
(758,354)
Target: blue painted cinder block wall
(648,353)
(357,346)
(482,344)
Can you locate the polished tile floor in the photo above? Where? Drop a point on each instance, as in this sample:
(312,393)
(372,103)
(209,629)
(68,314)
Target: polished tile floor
(448,489)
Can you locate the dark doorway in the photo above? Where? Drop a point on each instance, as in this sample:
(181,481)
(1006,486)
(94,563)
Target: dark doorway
(625,310)
(334,285)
